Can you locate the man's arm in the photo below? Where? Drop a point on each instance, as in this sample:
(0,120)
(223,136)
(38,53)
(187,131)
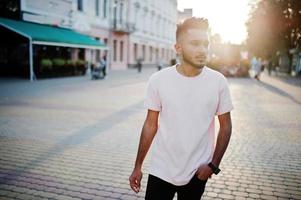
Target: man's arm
(204,172)
(147,134)
(223,137)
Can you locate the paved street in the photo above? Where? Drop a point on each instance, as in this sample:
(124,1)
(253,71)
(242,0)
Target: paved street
(73,138)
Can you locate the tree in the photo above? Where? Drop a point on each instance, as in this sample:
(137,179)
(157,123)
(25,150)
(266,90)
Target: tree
(274,25)
(292,13)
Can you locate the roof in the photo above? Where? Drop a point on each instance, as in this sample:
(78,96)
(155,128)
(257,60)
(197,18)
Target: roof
(51,35)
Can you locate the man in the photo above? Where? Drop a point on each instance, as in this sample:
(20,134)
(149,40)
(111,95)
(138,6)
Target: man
(187,97)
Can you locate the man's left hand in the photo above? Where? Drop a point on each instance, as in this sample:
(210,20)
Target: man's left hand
(204,172)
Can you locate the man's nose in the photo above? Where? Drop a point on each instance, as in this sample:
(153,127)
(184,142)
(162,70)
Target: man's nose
(203,49)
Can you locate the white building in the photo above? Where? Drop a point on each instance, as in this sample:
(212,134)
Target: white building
(131,28)
(186,13)
(155,27)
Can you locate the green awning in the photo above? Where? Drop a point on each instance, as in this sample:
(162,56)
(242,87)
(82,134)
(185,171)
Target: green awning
(50,35)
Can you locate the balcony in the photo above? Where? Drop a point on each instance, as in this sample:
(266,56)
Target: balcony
(124,27)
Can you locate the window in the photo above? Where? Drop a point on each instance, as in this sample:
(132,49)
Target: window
(11,9)
(81,54)
(121,51)
(80,5)
(98,52)
(105,3)
(163,53)
(97,7)
(121,13)
(135,51)
(115,49)
(150,53)
(105,40)
(167,54)
(143,52)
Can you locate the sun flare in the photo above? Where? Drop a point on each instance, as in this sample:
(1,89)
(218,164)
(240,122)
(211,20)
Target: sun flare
(226,18)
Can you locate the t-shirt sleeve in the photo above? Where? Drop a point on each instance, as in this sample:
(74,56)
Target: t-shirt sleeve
(224,103)
(152,100)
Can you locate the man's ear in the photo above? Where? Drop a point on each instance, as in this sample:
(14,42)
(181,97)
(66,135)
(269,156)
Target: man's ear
(178,48)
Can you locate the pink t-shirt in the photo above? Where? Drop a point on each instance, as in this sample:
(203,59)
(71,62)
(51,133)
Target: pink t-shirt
(185,137)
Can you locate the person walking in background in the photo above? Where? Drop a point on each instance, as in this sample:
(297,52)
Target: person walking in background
(139,65)
(187,96)
(160,64)
(253,66)
(256,67)
(103,66)
(270,65)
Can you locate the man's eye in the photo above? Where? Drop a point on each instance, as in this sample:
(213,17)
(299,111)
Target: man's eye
(195,43)
(206,44)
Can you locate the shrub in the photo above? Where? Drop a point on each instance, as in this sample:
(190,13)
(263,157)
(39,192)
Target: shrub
(70,63)
(58,62)
(80,62)
(46,64)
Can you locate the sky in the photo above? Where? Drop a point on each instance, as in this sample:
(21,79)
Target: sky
(226,17)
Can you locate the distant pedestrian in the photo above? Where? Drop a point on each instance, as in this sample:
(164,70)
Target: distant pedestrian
(103,66)
(182,102)
(139,65)
(256,67)
(160,64)
(259,68)
(270,66)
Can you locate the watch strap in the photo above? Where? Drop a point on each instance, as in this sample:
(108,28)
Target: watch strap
(215,169)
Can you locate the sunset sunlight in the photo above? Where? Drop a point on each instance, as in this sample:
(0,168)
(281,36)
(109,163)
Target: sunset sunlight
(226,18)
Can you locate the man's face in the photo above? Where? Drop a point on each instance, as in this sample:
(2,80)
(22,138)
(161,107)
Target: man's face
(192,46)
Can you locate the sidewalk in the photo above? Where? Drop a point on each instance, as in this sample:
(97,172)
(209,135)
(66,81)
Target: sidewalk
(291,86)
(12,87)
(76,139)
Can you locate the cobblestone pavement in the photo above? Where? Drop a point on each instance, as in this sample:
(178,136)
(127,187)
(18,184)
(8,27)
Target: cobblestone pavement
(73,138)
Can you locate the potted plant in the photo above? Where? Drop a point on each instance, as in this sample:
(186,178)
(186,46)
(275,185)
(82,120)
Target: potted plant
(81,67)
(58,65)
(46,67)
(70,67)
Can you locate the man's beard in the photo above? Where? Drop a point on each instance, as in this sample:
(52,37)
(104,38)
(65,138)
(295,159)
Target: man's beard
(188,61)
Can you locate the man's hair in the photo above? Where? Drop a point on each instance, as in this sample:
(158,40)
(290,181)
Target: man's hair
(192,23)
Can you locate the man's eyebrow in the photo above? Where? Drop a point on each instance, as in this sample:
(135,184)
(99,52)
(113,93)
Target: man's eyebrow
(199,40)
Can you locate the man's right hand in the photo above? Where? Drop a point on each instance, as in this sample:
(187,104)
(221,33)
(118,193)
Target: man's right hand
(135,180)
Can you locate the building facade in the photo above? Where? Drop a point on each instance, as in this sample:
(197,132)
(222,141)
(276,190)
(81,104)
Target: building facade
(132,29)
(185,14)
(154,36)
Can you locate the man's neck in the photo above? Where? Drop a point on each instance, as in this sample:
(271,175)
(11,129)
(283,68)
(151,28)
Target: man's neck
(187,70)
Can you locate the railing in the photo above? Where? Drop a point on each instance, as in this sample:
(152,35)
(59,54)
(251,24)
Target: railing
(124,27)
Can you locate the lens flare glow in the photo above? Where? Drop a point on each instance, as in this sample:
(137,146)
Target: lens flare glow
(226,17)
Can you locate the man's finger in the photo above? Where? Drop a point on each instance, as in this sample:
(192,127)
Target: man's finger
(138,183)
(135,185)
(135,188)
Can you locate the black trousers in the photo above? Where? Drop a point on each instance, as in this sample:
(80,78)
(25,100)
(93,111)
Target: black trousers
(158,189)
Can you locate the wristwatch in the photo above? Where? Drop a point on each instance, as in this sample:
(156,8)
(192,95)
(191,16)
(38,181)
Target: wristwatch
(215,169)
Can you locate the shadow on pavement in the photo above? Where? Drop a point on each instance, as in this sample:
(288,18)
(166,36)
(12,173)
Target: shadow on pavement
(279,91)
(82,136)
